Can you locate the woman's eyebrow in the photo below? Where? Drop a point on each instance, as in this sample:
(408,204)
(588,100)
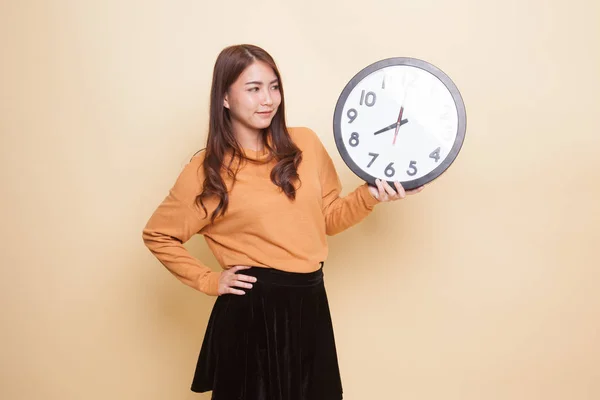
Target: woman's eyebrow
(260,83)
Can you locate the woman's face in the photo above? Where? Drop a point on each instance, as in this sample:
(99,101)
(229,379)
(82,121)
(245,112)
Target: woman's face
(253,99)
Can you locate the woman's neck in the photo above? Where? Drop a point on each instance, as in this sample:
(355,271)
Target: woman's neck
(249,138)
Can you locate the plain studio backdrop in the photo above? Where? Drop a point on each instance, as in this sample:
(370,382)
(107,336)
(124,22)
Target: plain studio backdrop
(483,286)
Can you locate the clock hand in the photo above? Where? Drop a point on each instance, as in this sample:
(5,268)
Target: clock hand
(398,124)
(392,126)
(387,128)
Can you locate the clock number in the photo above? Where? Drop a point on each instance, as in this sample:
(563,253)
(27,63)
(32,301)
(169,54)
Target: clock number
(435,155)
(412,169)
(447,111)
(369,99)
(374,155)
(448,133)
(352,114)
(354,139)
(409,79)
(389,170)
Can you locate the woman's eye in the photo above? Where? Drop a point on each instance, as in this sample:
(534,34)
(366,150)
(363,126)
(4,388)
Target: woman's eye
(254,89)
(275,87)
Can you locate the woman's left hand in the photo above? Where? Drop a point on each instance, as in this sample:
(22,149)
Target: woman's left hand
(384,192)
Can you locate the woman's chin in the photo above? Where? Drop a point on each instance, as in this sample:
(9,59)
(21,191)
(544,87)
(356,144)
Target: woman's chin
(263,124)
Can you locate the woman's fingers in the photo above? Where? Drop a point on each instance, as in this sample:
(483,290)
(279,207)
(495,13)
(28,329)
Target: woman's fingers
(241,284)
(235,291)
(385,190)
(245,278)
(387,193)
(382,194)
(230,281)
(399,189)
(389,190)
(241,279)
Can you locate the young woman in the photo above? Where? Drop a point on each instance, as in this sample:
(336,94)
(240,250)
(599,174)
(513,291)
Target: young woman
(264,196)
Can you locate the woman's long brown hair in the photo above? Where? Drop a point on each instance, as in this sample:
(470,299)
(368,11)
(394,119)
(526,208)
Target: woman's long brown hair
(230,63)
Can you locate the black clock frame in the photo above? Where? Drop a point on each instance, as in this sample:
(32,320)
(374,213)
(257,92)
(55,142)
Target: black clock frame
(413,62)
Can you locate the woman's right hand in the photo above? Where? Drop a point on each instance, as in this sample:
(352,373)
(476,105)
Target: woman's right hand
(229,280)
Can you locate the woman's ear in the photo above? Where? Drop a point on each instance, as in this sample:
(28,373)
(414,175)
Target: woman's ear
(225,101)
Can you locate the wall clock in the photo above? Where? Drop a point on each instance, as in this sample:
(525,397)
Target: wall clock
(400,119)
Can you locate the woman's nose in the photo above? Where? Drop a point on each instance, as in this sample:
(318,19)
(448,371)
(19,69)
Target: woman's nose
(267,99)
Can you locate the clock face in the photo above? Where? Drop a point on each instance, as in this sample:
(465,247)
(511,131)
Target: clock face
(400,119)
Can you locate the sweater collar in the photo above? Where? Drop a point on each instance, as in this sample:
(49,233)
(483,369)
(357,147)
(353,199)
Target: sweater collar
(259,155)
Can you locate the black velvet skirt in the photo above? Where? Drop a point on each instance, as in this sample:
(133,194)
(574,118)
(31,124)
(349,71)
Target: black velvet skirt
(276,342)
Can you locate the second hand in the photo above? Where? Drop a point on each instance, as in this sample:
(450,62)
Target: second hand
(399,122)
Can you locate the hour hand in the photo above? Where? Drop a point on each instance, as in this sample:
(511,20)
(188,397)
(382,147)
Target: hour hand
(392,126)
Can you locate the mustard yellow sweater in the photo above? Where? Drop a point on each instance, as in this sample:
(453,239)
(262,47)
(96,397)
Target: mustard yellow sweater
(262,226)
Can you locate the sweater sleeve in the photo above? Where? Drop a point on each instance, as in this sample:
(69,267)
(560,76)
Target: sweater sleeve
(340,212)
(173,223)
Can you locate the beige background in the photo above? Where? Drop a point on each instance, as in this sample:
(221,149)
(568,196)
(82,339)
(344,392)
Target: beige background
(481,287)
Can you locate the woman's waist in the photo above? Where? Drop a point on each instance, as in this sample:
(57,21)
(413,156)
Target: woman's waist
(283,277)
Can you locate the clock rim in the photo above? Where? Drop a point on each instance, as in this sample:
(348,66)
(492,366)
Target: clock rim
(412,62)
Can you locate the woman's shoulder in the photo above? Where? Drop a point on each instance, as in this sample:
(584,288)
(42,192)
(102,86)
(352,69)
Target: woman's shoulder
(303,136)
(198,157)
(191,175)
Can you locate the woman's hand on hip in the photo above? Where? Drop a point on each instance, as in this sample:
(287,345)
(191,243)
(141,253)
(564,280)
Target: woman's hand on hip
(384,192)
(229,280)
